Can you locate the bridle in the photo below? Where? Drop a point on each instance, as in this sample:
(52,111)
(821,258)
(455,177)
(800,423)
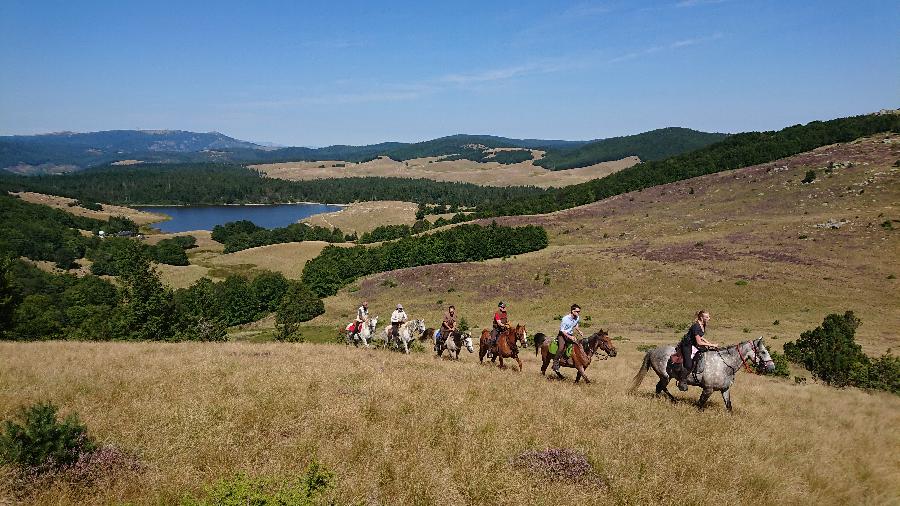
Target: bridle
(756,354)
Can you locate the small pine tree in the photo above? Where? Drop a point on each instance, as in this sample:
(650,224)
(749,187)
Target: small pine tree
(41,442)
(829,351)
(299,304)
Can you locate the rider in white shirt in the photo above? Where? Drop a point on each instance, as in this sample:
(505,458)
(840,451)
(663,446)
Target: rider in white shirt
(362,317)
(398,318)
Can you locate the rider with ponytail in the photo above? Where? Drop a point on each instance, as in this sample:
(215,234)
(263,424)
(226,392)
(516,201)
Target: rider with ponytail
(693,339)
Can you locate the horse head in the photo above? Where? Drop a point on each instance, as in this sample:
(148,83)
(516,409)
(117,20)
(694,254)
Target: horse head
(521,335)
(761,358)
(467,341)
(601,340)
(373,322)
(417,325)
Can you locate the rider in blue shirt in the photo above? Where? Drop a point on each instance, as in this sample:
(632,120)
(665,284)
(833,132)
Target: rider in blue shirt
(567,328)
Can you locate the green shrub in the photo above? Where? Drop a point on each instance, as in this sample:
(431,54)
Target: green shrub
(809,177)
(828,351)
(741,282)
(782,369)
(242,490)
(299,304)
(832,355)
(42,442)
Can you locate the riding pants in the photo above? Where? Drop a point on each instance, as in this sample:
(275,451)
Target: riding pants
(561,343)
(395,329)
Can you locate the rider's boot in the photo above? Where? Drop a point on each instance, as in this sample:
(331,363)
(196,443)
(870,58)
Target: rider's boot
(682,381)
(556,368)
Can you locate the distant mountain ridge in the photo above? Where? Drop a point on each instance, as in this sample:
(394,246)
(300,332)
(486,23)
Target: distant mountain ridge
(67,151)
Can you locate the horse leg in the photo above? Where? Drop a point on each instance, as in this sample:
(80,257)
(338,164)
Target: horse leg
(662,388)
(405,346)
(726,396)
(546,361)
(501,361)
(582,374)
(704,397)
(519,360)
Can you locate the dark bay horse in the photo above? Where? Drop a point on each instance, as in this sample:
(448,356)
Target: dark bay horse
(507,344)
(582,353)
(719,368)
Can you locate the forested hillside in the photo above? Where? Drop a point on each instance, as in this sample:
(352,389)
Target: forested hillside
(38,154)
(232,184)
(739,150)
(648,146)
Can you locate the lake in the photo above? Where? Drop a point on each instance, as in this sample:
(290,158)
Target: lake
(185,218)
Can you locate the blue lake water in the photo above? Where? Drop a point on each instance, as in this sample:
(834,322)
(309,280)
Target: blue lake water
(186,218)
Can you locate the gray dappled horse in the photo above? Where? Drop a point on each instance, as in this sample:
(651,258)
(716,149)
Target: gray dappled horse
(365,333)
(407,332)
(454,343)
(719,367)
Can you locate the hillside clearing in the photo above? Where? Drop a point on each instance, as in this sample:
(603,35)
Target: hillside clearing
(109,210)
(462,171)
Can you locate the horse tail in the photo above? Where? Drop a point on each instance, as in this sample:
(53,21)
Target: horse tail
(639,377)
(538,341)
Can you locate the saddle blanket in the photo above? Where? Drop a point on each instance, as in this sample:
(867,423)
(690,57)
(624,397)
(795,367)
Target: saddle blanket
(554,346)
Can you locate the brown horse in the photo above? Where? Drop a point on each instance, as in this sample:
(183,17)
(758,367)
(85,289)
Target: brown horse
(507,344)
(582,353)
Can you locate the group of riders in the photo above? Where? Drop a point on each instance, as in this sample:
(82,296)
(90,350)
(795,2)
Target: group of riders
(692,343)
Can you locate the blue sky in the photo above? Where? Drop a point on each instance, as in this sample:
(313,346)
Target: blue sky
(347,72)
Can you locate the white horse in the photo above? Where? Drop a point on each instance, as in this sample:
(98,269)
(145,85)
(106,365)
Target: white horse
(454,343)
(408,332)
(365,333)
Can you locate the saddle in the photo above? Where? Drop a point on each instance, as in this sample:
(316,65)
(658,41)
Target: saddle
(351,328)
(677,360)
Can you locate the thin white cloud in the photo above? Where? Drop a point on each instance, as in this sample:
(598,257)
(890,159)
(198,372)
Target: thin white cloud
(655,49)
(417,89)
(585,9)
(695,3)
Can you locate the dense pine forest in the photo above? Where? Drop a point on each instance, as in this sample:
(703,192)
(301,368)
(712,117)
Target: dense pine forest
(740,150)
(648,146)
(196,184)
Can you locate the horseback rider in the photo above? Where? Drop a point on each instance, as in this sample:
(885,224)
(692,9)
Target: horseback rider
(567,329)
(691,341)
(500,325)
(447,326)
(398,317)
(362,318)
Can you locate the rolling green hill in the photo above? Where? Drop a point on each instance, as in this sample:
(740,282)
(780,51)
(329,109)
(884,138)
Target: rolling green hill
(648,146)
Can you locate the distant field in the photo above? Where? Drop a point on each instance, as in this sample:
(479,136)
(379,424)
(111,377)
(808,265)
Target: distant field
(139,217)
(366,216)
(465,171)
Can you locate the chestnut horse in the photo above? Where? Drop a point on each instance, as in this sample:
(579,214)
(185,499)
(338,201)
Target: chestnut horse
(507,344)
(582,353)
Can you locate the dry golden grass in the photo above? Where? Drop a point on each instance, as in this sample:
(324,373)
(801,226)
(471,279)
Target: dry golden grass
(464,171)
(415,430)
(364,217)
(109,210)
(287,258)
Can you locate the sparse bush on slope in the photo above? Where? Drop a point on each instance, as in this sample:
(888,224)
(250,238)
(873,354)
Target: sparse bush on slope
(41,442)
(832,355)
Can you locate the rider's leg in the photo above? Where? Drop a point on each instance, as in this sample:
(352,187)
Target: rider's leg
(560,350)
(687,366)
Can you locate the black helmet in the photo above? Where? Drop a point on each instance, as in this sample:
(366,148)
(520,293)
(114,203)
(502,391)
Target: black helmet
(501,304)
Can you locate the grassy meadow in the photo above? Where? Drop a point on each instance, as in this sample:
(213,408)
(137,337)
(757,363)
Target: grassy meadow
(753,246)
(415,430)
(438,169)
